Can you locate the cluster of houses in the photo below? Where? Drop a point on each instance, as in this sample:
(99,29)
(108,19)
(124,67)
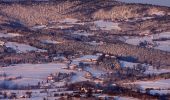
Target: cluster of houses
(59,77)
(13,95)
(76,64)
(2,43)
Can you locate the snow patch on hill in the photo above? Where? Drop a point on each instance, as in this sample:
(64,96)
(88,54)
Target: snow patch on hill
(22,48)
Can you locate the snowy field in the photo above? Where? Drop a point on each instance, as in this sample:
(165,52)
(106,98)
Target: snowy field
(22,48)
(106,25)
(9,35)
(124,64)
(161,92)
(149,68)
(38,94)
(150,40)
(95,72)
(50,42)
(160,84)
(82,33)
(109,25)
(31,74)
(70,22)
(152,70)
(87,59)
(161,87)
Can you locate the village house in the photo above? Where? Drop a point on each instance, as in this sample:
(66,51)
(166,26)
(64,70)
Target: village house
(84,89)
(79,68)
(50,78)
(2,43)
(98,91)
(99,54)
(107,55)
(146,34)
(73,66)
(113,57)
(98,81)
(88,75)
(105,97)
(22,96)
(90,58)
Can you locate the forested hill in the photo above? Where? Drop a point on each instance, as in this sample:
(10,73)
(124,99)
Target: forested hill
(33,12)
